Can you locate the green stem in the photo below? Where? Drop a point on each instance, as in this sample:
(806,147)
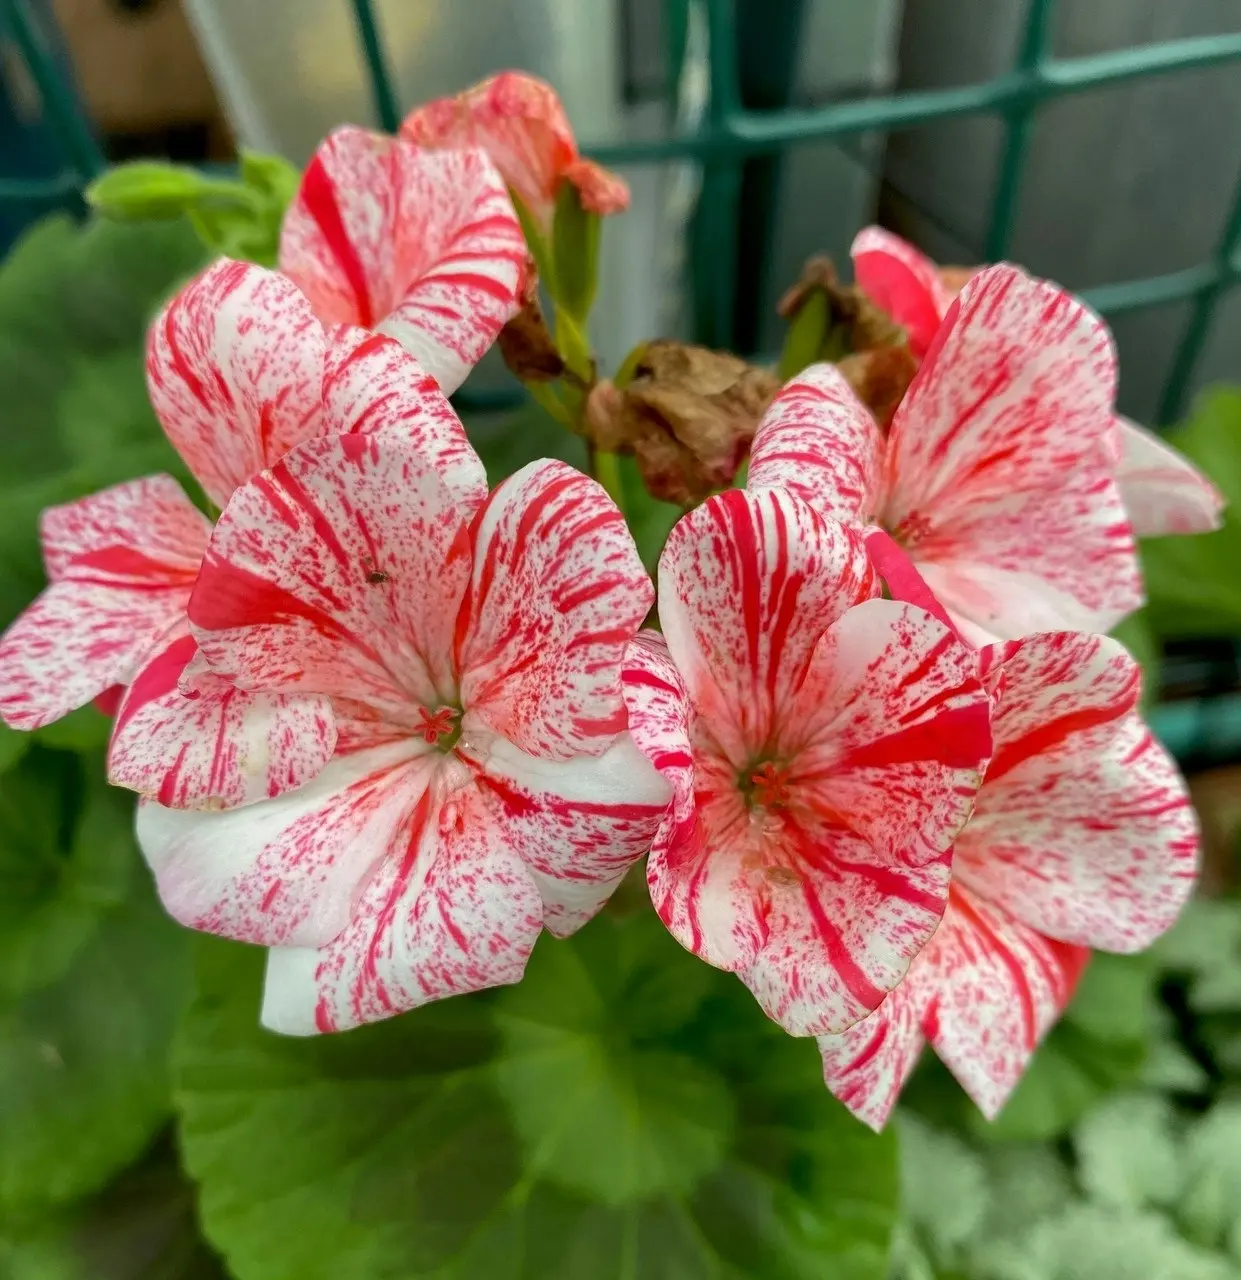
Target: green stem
(605,467)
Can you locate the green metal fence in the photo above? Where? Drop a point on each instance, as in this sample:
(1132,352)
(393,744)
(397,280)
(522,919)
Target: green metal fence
(730,134)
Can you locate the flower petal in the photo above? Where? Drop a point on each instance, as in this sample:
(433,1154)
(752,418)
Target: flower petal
(234,366)
(1084,829)
(1163,491)
(578,825)
(285,872)
(995,989)
(1060,558)
(218,747)
(706,896)
(1016,390)
(337,572)
(902,281)
(890,732)
(886,740)
(372,385)
(558,590)
(518,120)
(819,442)
(843,924)
(748,582)
(123,562)
(422,245)
(867,1066)
(450,909)
(150,518)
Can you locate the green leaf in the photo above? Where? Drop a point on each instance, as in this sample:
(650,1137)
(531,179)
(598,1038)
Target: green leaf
(944,1189)
(1136,634)
(576,1089)
(86,729)
(575,254)
(391,1151)
(141,1227)
(13,744)
(1128,1152)
(66,856)
(650,520)
(83,1062)
(1210,1206)
(154,190)
(1205,945)
(272,177)
(1192,582)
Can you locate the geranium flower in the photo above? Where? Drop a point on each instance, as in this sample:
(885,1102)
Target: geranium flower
(1083,837)
(238,369)
(423,246)
(518,120)
(234,369)
(992,477)
(1162,491)
(483,783)
(824,747)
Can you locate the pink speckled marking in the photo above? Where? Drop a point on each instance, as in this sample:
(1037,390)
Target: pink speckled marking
(1083,837)
(421,245)
(415,866)
(823,746)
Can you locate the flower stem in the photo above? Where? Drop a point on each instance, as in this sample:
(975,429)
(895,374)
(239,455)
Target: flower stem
(605,467)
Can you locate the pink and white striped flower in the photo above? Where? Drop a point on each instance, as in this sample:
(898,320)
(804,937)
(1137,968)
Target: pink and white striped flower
(992,477)
(483,785)
(238,369)
(421,245)
(1083,837)
(519,121)
(824,747)
(1162,491)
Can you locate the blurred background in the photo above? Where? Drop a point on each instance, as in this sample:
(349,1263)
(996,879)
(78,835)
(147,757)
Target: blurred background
(1097,142)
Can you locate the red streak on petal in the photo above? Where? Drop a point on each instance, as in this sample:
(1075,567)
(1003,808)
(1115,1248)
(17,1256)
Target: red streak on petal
(319,197)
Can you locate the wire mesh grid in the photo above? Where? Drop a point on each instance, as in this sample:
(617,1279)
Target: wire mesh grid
(730,134)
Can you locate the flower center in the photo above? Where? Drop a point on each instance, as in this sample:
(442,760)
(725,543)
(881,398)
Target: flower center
(440,727)
(911,530)
(765,785)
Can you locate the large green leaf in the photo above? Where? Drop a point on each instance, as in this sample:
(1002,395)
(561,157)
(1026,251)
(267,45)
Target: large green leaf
(66,856)
(530,1134)
(1192,582)
(143,1226)
(83,1061)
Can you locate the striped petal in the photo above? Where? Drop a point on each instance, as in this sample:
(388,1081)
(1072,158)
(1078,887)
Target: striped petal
(422,245)
(867,1066)
(901,281)
(234,366)
(519,121)
(450,909)
(818,442)
(337,572)
(748,582)
(217,747)
(1162,490)
(123,562)
(1084,828)
(709,897)
(1057,558)
(288,871)
(373,386)
(995,988)
(578,825)
(1015,391)
(558,590)
(885,743)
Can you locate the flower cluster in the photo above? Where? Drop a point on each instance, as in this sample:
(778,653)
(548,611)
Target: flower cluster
(390,723)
